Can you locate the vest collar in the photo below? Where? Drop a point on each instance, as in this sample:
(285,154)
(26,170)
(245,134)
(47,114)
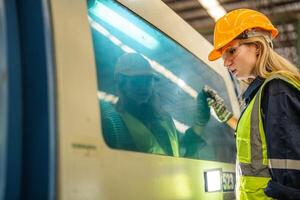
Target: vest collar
(252,89)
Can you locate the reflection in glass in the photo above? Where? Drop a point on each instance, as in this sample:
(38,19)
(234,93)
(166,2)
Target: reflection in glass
(158,89)
(146,126)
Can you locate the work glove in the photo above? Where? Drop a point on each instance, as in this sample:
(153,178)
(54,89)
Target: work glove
(217,103)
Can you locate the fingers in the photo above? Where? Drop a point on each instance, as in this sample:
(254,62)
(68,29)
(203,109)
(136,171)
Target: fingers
(225,116)
(212,93)
(211,102)
(209,90)
(206,88)
(220,109)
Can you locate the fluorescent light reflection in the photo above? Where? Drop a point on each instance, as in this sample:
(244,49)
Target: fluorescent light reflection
(127,49)
(108,35)
(181,127)
(98,27)
(172,77)
(107,97)
(115,40)
(123,25)
(181,83)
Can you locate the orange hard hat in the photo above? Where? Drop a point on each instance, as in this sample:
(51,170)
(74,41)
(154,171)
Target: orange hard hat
(234,23)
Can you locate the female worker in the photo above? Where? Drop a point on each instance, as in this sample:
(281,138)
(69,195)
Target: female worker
(268,130)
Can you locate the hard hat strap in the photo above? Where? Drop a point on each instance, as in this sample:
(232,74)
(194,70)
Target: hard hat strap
(256,33)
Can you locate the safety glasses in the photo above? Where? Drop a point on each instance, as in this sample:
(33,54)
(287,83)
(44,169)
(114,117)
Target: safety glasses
(231,52)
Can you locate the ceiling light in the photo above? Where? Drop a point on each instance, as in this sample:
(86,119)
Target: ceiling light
(213,8)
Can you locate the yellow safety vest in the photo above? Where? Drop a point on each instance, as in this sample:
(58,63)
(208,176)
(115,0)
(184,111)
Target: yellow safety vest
(144,138)
(252,149)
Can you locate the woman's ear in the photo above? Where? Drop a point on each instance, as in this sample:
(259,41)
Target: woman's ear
(257,51)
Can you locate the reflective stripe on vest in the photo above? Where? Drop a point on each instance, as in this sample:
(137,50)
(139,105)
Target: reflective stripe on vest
(284,164)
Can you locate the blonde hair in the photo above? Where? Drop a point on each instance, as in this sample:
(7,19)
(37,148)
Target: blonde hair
(270,62)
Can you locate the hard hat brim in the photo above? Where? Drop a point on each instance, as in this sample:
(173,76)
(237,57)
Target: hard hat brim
(214,55)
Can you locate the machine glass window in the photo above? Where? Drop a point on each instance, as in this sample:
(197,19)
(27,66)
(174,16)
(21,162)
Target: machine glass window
(149,89)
